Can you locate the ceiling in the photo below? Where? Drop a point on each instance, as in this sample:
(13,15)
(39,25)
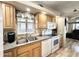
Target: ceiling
(64,7)
(35,8)
(22,7)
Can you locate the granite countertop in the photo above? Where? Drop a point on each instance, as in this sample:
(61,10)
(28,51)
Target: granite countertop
(14,45)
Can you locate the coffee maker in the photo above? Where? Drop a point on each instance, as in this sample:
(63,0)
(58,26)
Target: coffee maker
(11,37)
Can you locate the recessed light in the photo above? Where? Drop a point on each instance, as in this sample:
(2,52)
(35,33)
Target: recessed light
(28,9)
(74,10)
(40,5)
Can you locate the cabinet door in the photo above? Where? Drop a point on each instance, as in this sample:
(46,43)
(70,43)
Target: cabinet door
(8,54)
(8,12)
(24,51)
(30,50)
(36,52)
(12,16)
(49,18)
(42,21)
(61,44)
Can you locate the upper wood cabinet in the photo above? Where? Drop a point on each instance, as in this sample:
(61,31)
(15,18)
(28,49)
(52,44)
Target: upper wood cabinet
(42,20)
(8,15)
(51,18)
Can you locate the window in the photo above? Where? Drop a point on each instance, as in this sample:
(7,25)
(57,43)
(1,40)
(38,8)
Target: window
(73,26)
(30,26)
(21,26)
(25,23)
(77,24)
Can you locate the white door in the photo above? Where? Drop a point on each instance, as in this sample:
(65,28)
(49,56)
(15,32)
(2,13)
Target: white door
(46,47)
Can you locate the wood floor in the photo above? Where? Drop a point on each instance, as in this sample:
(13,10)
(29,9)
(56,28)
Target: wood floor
(69,50)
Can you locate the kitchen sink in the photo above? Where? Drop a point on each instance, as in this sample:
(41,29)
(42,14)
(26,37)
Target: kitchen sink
(29,39)
(32,38)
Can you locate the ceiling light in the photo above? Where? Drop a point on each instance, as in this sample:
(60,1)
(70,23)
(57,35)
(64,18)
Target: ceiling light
(28,9)
(40,5)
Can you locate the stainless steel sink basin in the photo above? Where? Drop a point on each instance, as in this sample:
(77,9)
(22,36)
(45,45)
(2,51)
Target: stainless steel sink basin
(31,38)
(26,40)
(20,41)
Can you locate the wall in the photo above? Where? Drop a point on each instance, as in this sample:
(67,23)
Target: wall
(1,32)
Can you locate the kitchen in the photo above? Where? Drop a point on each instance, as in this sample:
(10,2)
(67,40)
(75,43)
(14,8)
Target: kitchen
(30,31)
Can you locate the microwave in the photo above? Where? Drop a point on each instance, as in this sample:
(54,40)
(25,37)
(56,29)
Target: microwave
(51,25)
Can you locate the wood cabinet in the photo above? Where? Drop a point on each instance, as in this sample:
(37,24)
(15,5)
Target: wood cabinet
(42,21)
(31,50)
(8,16)
(51,18)
(24,51)
(25,54)
(10,53)
(36,52)
(61,42)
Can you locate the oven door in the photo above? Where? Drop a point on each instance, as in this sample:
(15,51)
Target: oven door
(55,43)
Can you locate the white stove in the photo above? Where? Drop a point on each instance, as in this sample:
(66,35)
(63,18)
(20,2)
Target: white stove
(55,43)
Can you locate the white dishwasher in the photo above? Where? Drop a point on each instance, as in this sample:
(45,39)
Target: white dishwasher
(46,47)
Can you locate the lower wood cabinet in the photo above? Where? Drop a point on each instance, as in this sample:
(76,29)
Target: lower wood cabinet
(25,54)
(36,52)
(29,50)
(10,53)
(61,42)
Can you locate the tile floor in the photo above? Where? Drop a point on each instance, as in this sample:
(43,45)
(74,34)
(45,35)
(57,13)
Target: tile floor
(69,50)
